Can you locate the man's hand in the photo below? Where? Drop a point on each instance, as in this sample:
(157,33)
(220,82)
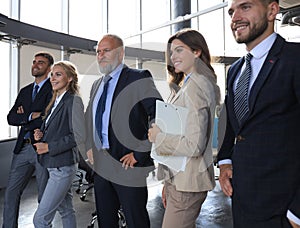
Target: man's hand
(90,156)
(20,110)
(128,160)
(224,179)
(294,225)
(38,134)
(35,115)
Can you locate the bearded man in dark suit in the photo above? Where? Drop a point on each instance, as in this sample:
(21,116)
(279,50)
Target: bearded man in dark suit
(26,113)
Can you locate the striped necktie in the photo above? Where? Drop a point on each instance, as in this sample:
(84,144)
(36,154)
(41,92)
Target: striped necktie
(35,91)
(241,93)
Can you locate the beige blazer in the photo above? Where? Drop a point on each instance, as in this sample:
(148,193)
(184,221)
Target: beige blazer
(198,96)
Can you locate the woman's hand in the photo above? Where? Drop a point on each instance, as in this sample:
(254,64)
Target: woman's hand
(152,132)
(38,134)
(41,147)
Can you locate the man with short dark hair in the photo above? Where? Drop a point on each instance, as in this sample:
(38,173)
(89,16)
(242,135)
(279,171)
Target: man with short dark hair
(260,156)
(27,114)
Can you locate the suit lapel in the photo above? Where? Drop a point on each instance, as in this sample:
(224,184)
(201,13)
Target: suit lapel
(264,73)
(121,84)
(178,94)
(42,90)
(57,109)
(230,91)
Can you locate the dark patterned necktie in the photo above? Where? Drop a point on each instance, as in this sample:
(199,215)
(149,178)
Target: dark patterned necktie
(101,107)
(241,93)
(35,91)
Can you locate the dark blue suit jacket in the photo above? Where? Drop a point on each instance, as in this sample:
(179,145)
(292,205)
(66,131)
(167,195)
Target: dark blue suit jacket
(39,104)
(266,162)
(133,107)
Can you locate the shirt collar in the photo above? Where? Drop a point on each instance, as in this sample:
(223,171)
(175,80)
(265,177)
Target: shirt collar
(58,98)
(187,77)
(41,83)
(263,47)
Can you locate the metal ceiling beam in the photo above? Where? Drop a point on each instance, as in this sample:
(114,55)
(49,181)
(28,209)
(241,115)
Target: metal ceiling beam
(26,34)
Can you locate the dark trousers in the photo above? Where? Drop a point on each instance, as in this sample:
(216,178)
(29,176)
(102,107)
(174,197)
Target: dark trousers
(240,220)
(22,168)
(110,197)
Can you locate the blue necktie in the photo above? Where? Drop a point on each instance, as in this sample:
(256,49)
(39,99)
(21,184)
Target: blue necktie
(101,107)
(241,93)
(35,91)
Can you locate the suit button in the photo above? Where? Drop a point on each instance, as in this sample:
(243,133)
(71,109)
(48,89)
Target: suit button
(238,139)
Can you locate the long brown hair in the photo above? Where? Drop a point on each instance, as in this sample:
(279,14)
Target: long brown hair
(73,87)
(196,42)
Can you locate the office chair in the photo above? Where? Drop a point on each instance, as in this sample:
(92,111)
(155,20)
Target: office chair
(84,172)
(122,221)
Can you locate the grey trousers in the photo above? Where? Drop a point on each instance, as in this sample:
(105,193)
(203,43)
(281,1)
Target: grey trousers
(57,197)
(22,168)
(182,208)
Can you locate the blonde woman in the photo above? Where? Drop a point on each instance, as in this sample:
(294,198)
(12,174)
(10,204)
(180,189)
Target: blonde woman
(60,138)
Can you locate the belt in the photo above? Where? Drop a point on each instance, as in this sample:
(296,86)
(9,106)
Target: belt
(238,139)
(27,141)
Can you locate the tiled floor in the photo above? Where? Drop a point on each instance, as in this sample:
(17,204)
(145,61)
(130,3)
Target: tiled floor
(215,213)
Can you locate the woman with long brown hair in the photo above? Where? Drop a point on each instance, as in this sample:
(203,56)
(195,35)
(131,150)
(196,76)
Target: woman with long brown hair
(193,86)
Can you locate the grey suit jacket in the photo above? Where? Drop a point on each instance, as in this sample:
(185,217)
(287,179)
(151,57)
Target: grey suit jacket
(197,94)
(65,133)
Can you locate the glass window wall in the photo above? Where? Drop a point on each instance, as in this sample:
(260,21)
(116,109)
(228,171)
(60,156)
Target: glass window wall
(45,13)
(85,19)
(4,9)
(5,89)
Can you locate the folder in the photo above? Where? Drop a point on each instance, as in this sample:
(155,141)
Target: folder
(170,119)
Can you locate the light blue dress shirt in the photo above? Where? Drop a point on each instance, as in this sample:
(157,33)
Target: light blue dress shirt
(115,74)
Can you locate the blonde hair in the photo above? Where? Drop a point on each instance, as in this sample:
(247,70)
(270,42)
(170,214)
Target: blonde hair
(73,87)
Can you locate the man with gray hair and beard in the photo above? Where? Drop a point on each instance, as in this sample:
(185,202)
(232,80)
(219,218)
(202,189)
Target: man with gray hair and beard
(121,106)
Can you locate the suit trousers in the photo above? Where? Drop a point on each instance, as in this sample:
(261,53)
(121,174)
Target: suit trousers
(22,168)
(182,208)
(241,220)
(57,197)
(111,196)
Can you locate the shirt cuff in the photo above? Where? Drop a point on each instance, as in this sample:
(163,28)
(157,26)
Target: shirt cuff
(30,117)
(293,217)
(225,162)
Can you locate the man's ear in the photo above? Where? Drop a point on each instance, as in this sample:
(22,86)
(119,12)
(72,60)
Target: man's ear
(273,10)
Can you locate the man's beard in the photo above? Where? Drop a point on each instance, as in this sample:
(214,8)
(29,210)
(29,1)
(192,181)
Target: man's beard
(258,30)
(38,74)
(108,68)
